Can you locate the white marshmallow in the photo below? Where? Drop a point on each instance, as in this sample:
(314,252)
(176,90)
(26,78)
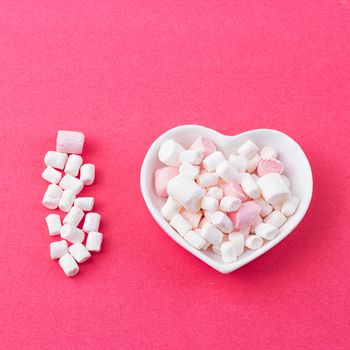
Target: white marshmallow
(250,187)
(84,203)
(184,190)
(203,222)
(228,252)
(238,240)
(253,163)
(58,249)
(222,222)
(229,204)
(212,160)
(210,204)
(70,182)
(192,218)
(253,242)
(276,218)
(51,175)
(265,207)
(238,162)
(52,196)
(53,222)
(248,150)
(215,192)
(211,234)
(55,159)
(207,179)
(180,224)
(286,180)
(73,164)
(66,201)
(273,188)
(94,241)
(92,222)
(79,252)
(74,217)
(72,234)
(170,208)
(227,172)
(69,265)
(290,206)
(87,174)
(189,170)
(268,153)
(208,215)
(266,231)
(195,239)
(191,156)
(169,153)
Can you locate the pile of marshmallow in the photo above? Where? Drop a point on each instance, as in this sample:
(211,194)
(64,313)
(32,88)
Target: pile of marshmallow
(62,193)
(226,204)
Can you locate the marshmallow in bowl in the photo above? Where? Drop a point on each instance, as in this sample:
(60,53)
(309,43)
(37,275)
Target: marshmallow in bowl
(169,153)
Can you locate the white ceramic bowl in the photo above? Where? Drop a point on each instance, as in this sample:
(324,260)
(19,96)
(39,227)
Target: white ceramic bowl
(297,169)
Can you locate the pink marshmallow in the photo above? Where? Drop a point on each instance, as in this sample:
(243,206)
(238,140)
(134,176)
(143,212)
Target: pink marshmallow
(247,215)
(162,177)
(270,166)
(234,190)
(205,145)
(70,142)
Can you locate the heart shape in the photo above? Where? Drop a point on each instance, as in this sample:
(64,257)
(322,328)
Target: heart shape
(297,169)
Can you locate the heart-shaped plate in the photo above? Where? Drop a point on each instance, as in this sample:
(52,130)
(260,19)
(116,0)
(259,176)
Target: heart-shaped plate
(297,169)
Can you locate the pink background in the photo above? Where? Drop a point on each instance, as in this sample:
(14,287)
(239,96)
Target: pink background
(123,72)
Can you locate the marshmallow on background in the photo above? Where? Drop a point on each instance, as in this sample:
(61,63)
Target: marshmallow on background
(66,200)
(53,222)
(51,175)
(248,150)
(55,159)
(170,208)
(84,203)
(92,222)
(94,241)
(79,252)
(87,174)
(195,239)
(73,164)
(52,196)
(69,265)
(70,182)
(212,160)
(72,234)
(169,153)
(58,249)
(253,242)
(70,141)
(180,224)
(74,216)
(273,188)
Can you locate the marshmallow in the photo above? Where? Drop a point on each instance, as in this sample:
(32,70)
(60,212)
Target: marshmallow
(286,180)
(273,188)
(227,172)
(84,203)
(72,234)
(73,164)
(268,153)
(204,145)
(266,231)
(66,201)
(207,179)
(246,215)
(253,163)
(169,153)
(258,221)
(51,175)
(270,166)
(192,218)
(276,218)
(228,252)
(235,190)
(215,192)
(238,240)
(203,222)
(210,204)
(55,159)
(229,203)
(195,239)
(265,207)
(79,252)
(250,187)
(191,156)
(170,208)
(87,174)
(92,222)
(290,206)
(94,241)
(70,182)
(208,215)
(180,224)
(69,265)
(52,196)
(189,170)
(253,242)
(184,190)
(58,249)
(53,222)
(248,150)
(161,179)
(238,162)
(211,234)
(210,162)
(74,217)
(70,141)
(222,222)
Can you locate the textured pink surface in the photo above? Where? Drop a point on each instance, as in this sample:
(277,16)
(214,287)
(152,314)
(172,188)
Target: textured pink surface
(123,72)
